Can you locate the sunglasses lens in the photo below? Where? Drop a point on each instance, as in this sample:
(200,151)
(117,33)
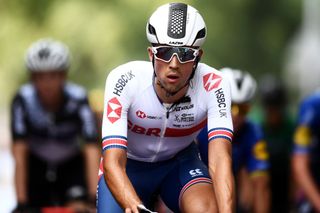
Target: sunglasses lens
(187,54)
(184,54)
(164,53)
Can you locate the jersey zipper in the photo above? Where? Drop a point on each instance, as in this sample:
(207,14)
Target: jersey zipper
(164,127)
(169,109)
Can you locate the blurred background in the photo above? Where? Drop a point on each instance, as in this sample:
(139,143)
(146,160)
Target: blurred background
(263,37)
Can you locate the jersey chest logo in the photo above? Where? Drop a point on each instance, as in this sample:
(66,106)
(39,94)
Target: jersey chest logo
(114,110)
(141,114)
(211,81)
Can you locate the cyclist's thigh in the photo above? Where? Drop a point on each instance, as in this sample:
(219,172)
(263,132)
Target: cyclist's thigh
(189,171)
(146,178)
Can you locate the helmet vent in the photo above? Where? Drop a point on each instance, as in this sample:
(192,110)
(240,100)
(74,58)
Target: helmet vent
(201,33)
(177,20)
(44,53)
(151,29)
(239,81)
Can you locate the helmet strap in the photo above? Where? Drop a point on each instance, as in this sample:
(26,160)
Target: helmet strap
(196,61)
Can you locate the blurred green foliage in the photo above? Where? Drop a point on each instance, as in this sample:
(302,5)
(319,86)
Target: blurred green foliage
(101,34)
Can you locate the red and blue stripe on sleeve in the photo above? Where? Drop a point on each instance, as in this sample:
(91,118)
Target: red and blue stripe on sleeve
(114,141)
(220,133)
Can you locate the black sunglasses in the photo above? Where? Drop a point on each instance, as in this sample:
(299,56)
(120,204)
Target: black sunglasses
(166,53)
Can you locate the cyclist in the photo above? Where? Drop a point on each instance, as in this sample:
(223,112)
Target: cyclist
(48,115)
(306,153)
(278,126)
(153,112)
(248,148)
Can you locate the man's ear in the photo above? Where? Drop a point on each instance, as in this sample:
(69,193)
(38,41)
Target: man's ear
(200,54)
(150,53)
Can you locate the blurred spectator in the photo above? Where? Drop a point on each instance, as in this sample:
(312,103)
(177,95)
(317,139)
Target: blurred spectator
(278,127)
(306,154)
(249,154)
(48,114)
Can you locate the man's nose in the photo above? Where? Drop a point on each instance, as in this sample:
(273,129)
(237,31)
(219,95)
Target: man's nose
(174,61)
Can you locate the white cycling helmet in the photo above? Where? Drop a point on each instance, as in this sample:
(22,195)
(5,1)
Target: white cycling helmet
(243,86)
(176,24)
(47,55)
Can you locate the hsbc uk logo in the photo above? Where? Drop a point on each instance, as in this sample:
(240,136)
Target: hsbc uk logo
(211,81)
(141,114)
(122,82)
(114,110)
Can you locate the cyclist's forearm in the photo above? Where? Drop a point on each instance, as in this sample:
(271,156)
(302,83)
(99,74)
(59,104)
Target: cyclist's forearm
(224,187)
(92,156)
(119,183)
(20,182)
(19,153)
(221,172)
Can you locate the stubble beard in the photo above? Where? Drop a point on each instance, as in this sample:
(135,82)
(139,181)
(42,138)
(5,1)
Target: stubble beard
(170,90)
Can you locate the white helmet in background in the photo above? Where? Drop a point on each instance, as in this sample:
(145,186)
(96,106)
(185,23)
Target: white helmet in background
(47,55)
(176,24)
(243,86)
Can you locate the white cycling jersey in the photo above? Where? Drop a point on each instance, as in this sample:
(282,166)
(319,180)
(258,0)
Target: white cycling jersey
(136,120)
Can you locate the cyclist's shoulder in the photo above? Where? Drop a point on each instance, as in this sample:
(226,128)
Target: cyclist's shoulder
(75,91)
(207,74)
(24,96)
(204,69)
(133,75)
(25,91)
(311,99)
(209,79)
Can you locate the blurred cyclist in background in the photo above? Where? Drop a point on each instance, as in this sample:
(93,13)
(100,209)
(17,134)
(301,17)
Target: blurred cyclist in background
(249,154)
(278,127)
(306,154)
(48,117)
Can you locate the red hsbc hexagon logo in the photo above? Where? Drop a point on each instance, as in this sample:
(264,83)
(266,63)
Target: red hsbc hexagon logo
(141,114)
(211,81)
(114,110)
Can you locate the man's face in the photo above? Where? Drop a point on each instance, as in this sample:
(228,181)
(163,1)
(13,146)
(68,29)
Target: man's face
(49,85)
(172,75)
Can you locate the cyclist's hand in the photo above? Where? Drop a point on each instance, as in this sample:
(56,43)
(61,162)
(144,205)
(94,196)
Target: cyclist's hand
(132,210)
(143,209)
